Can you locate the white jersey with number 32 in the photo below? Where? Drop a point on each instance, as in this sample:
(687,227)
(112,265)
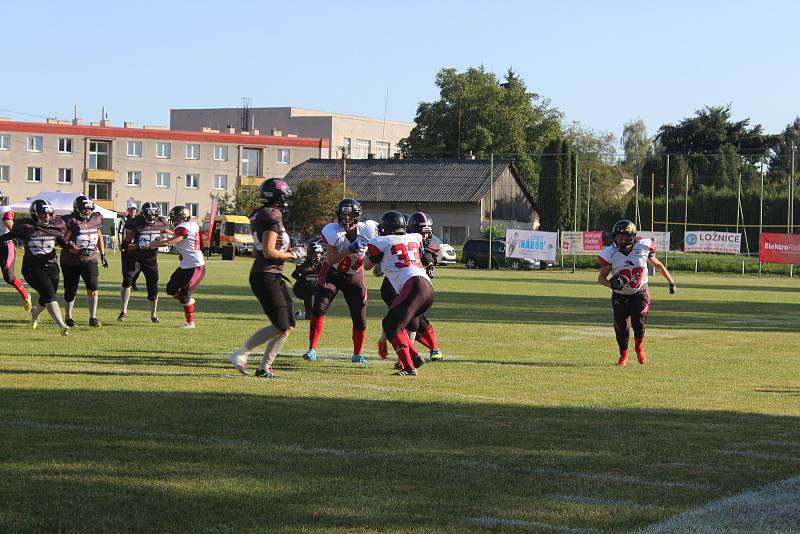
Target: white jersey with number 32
(632,265)
(189,251)
(402,255)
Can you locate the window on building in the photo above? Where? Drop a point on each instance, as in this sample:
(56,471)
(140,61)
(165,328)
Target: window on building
(251,159)
(34,174)
(454,235)
(362,148)
(5,142)
(382,150)
(35,143)
(163,150)
(65,176)
(194,209)
(220,153)
(65,145)
(5,173)
(99,152)
(135,178)
(192,181)
(163,208)
(221,182)
(283,156)
(135,149)
(193,151)
(348,147)
(100,190)
(162,179)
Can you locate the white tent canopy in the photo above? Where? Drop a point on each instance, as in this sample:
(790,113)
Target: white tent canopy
(62,202)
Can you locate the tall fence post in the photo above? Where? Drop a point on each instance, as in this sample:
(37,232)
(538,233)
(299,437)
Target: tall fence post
(575,211)
(761,214)
(491,205)
(666,215)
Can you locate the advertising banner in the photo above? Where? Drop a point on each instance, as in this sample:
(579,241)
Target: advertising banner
(214,202)
(581,243)
(661,239)
(531,244)
(710,241)
(779,248)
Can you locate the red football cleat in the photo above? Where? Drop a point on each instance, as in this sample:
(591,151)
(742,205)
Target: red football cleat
(642,357)
(623,358)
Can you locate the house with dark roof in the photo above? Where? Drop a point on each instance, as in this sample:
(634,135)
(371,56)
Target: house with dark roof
(461,196)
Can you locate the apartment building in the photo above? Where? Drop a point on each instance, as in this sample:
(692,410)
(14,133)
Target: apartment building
(113,164)
(358,137)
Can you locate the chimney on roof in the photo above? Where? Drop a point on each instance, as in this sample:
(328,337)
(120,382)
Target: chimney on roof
(276,133)
(291,135)
(231,130)
(76,121)
(105,122)
(256,132)
(52,121)
(128,124)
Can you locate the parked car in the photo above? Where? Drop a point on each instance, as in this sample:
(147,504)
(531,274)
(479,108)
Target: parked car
(476,255)
(446,254)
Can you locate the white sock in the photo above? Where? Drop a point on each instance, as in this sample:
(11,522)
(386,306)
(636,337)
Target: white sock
(70,306)
(274,346)
(153,305)
(55,312)
(92,302)
(124,297)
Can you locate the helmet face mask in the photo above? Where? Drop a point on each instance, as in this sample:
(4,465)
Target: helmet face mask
(624,234)
(392,223)
(179,214)
(421,223)
(348,211)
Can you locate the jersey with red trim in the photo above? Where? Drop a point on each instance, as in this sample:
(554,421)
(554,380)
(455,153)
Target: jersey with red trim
(632,265)
(6,214)
(189,251)
(400,257)
(333,234)
(84,235)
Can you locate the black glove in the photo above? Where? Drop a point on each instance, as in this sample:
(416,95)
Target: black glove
(104,261)
(619,282)
(672,289)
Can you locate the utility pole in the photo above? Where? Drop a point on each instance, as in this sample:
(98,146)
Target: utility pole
(344,173)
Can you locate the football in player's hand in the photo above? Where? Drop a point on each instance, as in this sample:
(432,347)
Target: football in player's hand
(619,282)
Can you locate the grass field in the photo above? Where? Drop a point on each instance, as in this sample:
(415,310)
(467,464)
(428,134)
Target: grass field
(526,425)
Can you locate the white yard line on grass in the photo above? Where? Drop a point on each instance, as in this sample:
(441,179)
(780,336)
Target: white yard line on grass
(771,508)
(248,446)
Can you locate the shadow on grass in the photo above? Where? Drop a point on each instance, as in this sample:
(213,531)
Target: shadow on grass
(134,461)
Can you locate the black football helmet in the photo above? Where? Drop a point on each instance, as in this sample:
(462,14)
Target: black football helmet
(275,193)
(421,223)
(392,222)
(623,234)
(42,212)
(348,211)
(179,214)
(80,204)
(150,212)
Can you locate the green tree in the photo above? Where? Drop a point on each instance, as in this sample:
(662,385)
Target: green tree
(555,199)
(780,160)
(495,231)
(314,202)
(635,144)
(478,113)
(241,202)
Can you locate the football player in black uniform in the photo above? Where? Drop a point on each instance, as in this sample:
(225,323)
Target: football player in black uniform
(139,257)
(307,276)
(272,248)
(130,214)
(79,260)
(40,234)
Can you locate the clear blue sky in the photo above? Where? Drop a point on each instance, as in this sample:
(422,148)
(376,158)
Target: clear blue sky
(600,63)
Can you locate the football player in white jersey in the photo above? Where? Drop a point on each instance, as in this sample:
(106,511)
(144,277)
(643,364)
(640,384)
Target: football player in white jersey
(399,255)
(192,267)
(346,243)
(627,259)
(8,254)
